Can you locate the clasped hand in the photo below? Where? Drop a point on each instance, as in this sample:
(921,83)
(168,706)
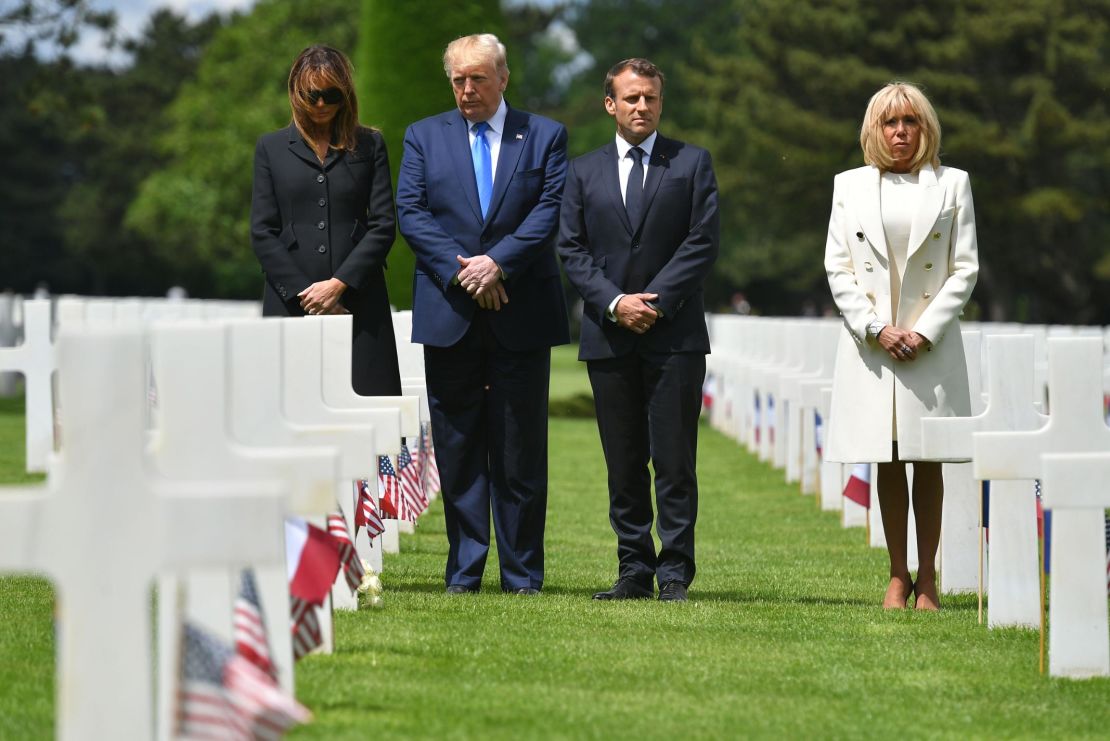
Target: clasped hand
(901,344)
(480,277)
(322,297)
(634,314)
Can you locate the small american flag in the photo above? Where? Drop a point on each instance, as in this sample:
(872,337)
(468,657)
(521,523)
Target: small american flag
(757,417)
(305,625)
(366,515)
(819,432)
(351,563)
(412,493)
(428,461)
(251,641)
(223,695)
(1107,553)
(388,494)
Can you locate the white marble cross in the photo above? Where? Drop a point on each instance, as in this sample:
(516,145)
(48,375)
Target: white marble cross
(104,525)
(826,334)
(35,360)
(959,533)
(9,333)
(334,399)
(1013,581)
(335,337)
(1078,643)
(260,385)
(832,477)
(194,439)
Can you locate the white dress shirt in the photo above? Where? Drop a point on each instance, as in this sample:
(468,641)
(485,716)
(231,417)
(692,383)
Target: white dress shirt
(493,134)
(624,169)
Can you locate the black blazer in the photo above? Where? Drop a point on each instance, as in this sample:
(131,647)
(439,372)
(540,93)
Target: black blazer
(670,252)
(311,221)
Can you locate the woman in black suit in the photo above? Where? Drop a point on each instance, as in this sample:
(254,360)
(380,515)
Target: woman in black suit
(322,218)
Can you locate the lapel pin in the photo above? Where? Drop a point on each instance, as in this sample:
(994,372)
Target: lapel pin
(859,236)
(520,136)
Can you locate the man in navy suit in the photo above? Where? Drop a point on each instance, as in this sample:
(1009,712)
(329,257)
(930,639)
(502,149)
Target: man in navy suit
(478,201)
(638,236)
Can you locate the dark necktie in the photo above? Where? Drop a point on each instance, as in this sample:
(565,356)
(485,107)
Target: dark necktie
(634,190)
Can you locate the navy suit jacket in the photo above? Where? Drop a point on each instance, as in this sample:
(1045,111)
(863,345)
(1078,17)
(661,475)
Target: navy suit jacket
(670,252)
(439,216)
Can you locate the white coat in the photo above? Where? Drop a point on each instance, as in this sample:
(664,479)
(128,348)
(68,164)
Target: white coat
(872,392)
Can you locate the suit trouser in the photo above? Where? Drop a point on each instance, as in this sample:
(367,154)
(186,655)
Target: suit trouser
(489,424)
(647,408)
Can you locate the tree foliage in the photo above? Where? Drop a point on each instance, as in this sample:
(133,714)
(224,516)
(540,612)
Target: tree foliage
(76,142)
(54,21)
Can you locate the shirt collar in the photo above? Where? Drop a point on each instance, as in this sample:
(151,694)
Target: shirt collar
(646,145)
(496,121)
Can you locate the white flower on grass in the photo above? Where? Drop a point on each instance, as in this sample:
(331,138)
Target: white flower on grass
(371,586)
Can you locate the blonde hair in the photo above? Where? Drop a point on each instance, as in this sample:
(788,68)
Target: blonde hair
(318,68)
(891,100)
(476,48)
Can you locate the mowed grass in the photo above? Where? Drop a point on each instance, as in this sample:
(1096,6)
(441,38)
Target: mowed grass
(782,637)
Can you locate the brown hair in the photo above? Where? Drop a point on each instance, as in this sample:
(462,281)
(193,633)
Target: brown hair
(891,100)
(318,68)
(640,66)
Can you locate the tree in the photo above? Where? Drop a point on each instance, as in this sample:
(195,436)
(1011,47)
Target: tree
(401,80)
(42,105)
(120,151)
(55,21)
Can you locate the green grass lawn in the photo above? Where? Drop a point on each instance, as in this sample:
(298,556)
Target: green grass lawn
(783,636)
(568,374)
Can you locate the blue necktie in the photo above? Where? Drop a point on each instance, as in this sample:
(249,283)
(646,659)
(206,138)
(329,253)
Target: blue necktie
(483,165)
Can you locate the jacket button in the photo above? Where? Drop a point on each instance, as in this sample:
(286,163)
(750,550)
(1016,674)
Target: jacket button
(322,202)
(928,266)
(867,267)
(926,295)
(859,236)
(322,249)
(321,224)
(936,235)
(320,178)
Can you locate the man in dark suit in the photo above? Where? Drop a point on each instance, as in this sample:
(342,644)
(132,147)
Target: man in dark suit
(478,201)
(638,235)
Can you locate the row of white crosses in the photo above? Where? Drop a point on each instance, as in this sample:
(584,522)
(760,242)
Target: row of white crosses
(757,360)
(256,420)
(33,358)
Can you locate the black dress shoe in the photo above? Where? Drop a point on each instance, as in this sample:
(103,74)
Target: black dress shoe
(626,588)
(672,591)
(525,590)
(460,589)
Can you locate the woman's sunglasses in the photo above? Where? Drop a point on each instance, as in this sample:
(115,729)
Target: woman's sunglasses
(331,96)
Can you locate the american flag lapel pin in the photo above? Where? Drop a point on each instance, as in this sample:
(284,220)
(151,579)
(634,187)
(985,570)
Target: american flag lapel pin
(520,136)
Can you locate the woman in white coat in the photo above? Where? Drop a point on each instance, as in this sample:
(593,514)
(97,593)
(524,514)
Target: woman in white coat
(902,260)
